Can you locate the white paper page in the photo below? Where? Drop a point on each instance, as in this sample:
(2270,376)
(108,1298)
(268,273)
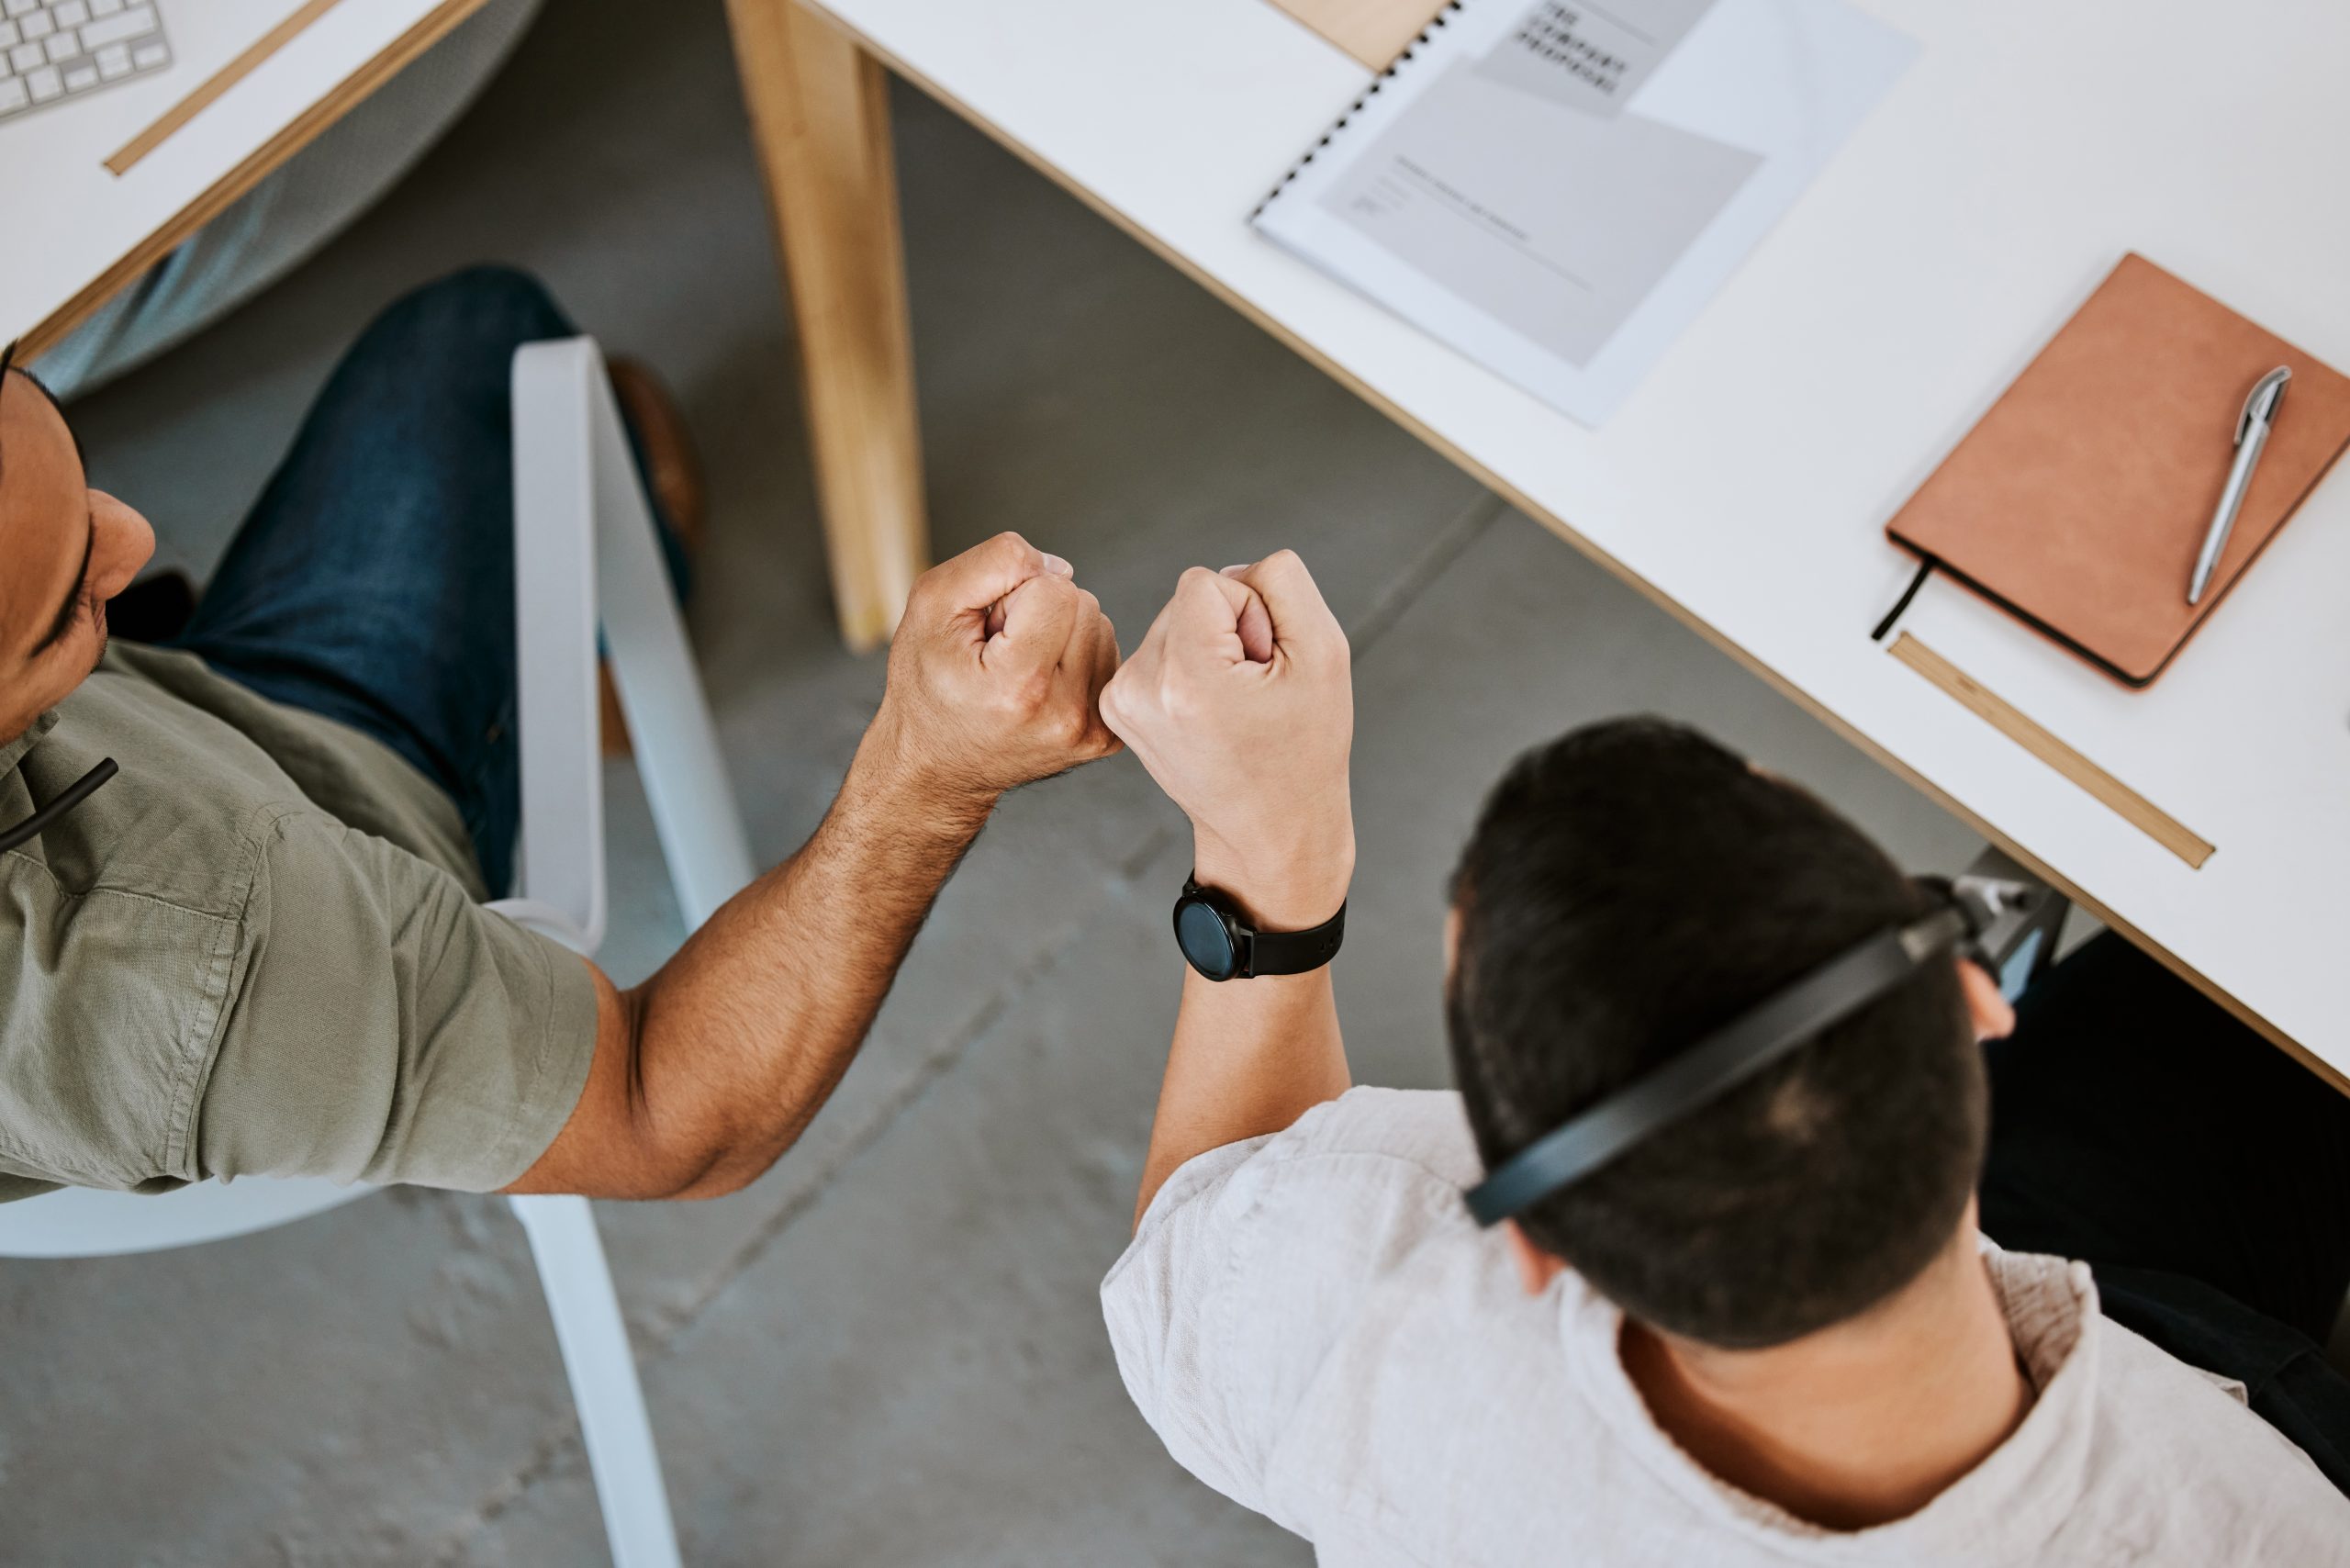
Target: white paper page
(1556,190)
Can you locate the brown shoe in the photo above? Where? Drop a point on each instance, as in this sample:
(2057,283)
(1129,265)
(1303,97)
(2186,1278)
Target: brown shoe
(672,466)
(673,471)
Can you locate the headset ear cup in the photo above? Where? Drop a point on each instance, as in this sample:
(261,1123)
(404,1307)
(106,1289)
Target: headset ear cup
(1937,893)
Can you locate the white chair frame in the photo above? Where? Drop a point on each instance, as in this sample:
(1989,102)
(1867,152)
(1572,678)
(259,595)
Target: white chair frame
(584,542)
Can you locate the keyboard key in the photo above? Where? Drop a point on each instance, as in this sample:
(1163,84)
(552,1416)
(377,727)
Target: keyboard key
(114,29)
(37,25)
(72,14)
(12,96)
(10,37)
(80,77)
(63,45)
(104,8)
(150,56)
(114,61)
(19,7)
(45,84)
(28,57)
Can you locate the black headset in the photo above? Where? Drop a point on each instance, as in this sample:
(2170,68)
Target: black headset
(1993,916)
(72,795)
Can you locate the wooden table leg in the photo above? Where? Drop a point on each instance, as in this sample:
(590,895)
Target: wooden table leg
(820,113)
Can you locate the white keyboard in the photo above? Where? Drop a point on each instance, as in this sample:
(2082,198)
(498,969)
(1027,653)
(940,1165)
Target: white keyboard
(54,49)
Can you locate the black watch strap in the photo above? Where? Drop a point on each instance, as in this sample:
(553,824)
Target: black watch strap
(1285,952)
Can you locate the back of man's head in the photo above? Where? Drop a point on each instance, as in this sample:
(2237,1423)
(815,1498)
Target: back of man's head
(1631,886)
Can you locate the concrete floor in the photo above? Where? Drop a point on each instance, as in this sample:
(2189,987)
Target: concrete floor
(888,1352)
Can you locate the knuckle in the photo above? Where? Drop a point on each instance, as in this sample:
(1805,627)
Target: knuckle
(1047,589)
(997,556)
(1008,551)
(1288,568)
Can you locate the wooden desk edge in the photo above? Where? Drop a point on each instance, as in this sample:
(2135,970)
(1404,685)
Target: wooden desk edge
(298,133)
(1664,601)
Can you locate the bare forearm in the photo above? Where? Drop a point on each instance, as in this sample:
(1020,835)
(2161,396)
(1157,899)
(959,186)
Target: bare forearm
(1238,701)
(743,1035)
(1249,1057)
(705,1073)
(1252,1056)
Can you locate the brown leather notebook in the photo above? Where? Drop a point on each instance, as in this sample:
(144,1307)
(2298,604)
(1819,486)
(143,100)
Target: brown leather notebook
(2080,500)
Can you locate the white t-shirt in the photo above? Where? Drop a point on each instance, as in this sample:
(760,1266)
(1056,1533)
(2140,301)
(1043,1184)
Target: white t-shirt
(1315,1328)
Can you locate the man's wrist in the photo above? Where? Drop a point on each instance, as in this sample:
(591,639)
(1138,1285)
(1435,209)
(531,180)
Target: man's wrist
(1290,888)
(889,776)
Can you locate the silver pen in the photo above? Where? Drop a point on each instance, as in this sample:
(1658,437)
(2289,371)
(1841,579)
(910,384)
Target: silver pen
(2251,435)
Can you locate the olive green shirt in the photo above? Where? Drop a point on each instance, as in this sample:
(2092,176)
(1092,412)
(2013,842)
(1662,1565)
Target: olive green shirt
(260,949)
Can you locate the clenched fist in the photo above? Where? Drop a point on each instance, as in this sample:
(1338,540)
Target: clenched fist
(995,676)
(1240,703)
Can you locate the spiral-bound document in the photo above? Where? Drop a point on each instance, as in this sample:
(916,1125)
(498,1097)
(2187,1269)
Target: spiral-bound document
(1557,189)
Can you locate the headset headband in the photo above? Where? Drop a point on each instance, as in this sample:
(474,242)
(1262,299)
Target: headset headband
(1720,1062)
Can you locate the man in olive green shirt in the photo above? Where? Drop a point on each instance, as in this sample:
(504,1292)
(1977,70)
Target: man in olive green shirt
(259,950)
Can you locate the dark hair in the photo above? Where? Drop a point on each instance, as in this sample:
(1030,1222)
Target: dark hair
(1632,885)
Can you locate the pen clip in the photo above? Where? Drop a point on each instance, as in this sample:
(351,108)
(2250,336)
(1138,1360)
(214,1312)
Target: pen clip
(2260,403)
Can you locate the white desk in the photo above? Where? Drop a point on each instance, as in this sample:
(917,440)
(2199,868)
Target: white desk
(83,231)
(1746,483)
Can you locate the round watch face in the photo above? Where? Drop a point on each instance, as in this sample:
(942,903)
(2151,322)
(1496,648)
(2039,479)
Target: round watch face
(1201,932)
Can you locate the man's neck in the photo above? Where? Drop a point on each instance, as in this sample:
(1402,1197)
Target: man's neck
(1857,1424)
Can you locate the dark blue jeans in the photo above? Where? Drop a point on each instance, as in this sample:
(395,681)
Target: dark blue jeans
(2202,1174)
(373,580)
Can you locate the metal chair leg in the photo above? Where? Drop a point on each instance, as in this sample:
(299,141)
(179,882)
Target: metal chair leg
(604,1388)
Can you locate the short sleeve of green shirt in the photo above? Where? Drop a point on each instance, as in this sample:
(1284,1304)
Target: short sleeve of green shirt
(387,1027)
(259,950)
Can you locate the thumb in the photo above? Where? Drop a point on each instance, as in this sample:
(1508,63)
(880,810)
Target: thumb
(1038,618)
(1301,618)
(985,573)
(1216,615)
(1256,626)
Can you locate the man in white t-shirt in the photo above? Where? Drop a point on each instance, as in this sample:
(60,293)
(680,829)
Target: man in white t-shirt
(1768,1329)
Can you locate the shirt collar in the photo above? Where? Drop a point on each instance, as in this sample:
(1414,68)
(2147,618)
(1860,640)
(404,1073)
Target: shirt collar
(14,751)
(2004,1508)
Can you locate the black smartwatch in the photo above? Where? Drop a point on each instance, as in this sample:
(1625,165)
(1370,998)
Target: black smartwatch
(1218,941)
